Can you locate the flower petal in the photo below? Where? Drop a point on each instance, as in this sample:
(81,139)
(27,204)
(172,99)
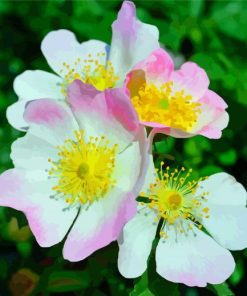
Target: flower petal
(131,165)
(223,190)
(158,67)
(32,152)
(61,47)
(192,79)
(30,192)
(135,243)
(132,40)
(99,225)
(32,85)
(15,115)
(50,120)
(227,211)
(193,260)
(97,115)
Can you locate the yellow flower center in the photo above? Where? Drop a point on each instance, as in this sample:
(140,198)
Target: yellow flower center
(83,169)
(91,71)
(173,196)
(166,106)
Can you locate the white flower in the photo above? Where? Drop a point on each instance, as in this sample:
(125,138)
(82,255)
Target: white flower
(185,252)
(77,170)
(93,62)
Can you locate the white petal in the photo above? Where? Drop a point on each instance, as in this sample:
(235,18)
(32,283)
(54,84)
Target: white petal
(15,115)
(62,46)
(223,189)
(135,243)
(31,152)
(228,226)
(193,260)
(32,85)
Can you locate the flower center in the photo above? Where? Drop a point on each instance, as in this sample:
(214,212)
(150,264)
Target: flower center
(174,197)
(84,169)
(95,71)
(166,106)
(174,200)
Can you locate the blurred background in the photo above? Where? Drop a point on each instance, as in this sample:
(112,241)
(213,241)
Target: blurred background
(211,33)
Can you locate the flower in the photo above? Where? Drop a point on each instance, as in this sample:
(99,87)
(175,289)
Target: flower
(93,62)
(77,169)
(177,103)
(183,209)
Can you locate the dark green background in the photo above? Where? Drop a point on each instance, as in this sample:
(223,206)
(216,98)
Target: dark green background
(211,33)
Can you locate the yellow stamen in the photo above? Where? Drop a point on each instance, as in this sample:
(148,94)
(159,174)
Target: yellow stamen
(92,71)
(166,106)
(84,169)
(174,196)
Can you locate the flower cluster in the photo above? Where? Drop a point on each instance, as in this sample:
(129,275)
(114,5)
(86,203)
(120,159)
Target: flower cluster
(86,156)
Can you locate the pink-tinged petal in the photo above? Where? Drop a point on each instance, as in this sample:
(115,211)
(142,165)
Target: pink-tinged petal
(158,67)
(98,115)
(214,100)
(132,40)
(120,106)
(29,192)
(99,225)
(135,243)
(50,120)
(194,260)
(169,132)
(227,210)
(61,46)
(32,85)
(192,79)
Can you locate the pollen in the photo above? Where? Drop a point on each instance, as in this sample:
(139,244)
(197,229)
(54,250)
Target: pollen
(84,169)
(166,106)
(94,71)
(174,198)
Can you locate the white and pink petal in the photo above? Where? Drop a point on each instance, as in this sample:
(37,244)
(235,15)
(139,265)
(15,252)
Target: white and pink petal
(99,224)
(132,40)
(30,192)
(194,260)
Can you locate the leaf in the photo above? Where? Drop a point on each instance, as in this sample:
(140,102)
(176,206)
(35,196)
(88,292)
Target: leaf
(159,285)
(141,287)
(238,274)
(67,281)
(221,289)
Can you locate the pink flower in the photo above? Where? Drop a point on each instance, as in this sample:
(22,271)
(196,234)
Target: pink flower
(78,169)
(94,62)
(176,103)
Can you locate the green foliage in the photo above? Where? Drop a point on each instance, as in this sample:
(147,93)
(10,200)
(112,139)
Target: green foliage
(211,33)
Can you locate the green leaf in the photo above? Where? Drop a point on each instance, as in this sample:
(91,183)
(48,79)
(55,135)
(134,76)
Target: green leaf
(141,287)
(159,285)
(67,281)
(238,274)
(221,289)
